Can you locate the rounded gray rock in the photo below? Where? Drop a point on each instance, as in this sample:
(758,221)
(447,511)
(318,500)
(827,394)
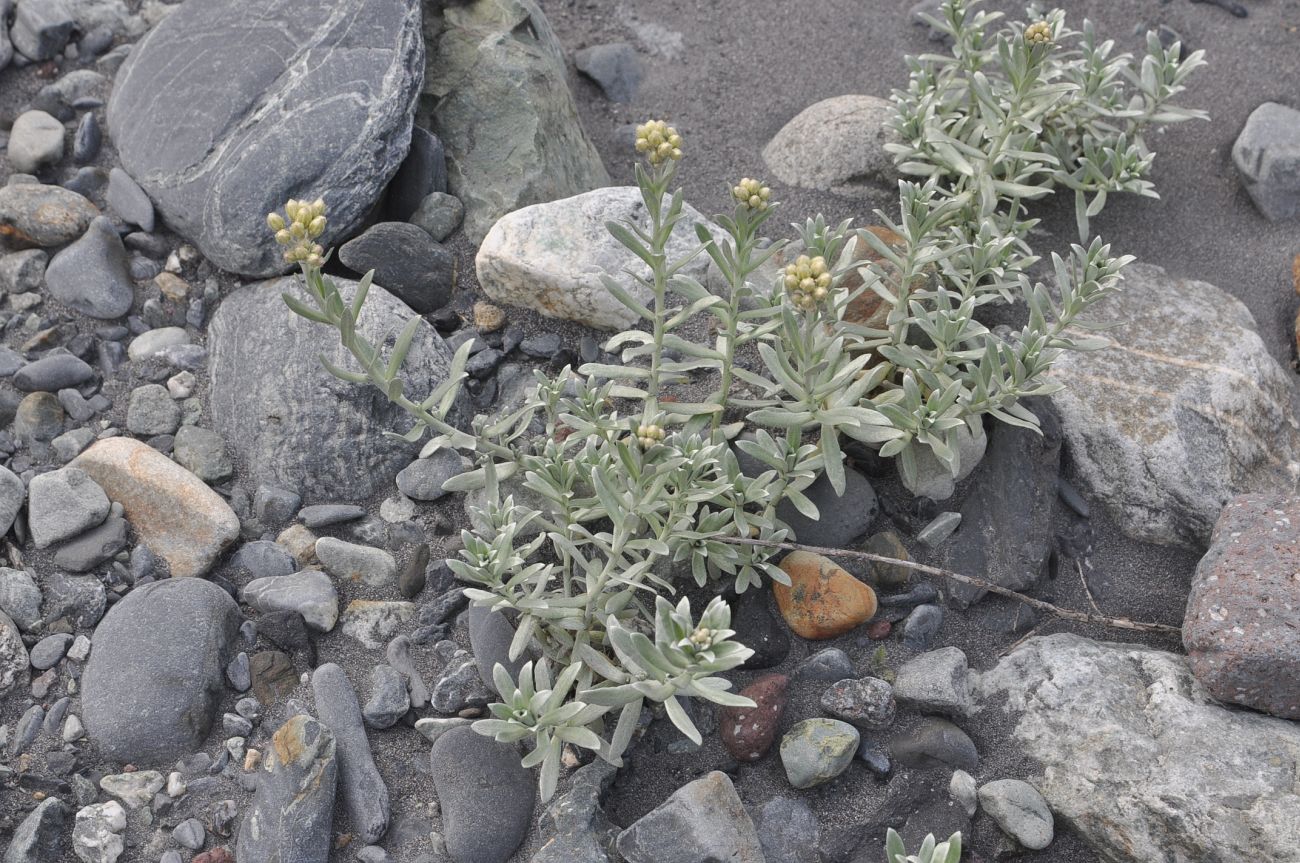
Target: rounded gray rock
(364,791)
(1020,811)
(486,796)
(406,261)
(62,504)
(151,687)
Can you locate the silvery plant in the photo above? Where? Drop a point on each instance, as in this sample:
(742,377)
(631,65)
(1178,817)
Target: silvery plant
(608,488)
(1009,116)
(931,851)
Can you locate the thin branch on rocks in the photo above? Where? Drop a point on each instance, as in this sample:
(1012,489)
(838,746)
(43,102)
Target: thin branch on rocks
(1056,610)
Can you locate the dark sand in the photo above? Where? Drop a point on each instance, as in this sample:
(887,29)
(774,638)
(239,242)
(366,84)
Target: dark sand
(729,75)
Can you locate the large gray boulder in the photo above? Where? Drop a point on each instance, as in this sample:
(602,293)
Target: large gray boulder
(552,257)
(1140,760)
(1185,410)
(154,679)
(220,115)
(500,103)
(302,428)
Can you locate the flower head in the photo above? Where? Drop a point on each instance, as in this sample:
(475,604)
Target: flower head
(808,280)
(649,435)
(1039,33)
(752,194)
(658,141)
(306,222)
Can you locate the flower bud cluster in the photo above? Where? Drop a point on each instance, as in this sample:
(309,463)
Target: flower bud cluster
(1038,33)
(649,435)
(702,638)
(306,222)
(658,141)
(808,280)
(752,193)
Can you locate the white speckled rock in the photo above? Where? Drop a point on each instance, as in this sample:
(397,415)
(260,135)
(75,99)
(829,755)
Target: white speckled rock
(552,257)
(836,145)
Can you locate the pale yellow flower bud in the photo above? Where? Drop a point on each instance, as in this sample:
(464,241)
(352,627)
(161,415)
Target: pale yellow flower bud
(317,227)
(275,222)
(283,237)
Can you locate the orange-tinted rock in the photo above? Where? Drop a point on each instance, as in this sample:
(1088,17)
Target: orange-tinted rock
(748,732)
(174,512)
(822,600)
(869,308)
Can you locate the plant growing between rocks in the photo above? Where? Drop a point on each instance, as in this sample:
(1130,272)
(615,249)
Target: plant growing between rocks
(603,489)
(948,851)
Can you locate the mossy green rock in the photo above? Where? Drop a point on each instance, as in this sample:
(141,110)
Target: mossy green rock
(817,750)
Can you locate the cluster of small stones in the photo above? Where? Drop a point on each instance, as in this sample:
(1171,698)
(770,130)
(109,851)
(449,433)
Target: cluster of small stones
(208,649)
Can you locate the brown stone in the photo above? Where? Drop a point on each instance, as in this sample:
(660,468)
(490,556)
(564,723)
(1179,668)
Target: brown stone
(40,215)
(748,732)
(887,544)
(39,417)
(299,541)
(869,308)
(822,600)
(174,512)
(273,675)
(220,854)
(488,318)
(172,286)
(1241,629)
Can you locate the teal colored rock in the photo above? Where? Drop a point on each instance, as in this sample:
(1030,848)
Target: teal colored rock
(817,750)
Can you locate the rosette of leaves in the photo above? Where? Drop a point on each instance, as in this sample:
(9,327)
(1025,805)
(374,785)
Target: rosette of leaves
(1008,117)
(931,851)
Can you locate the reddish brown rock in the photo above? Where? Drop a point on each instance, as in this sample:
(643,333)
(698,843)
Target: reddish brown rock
(822,600)
(748,732)
(868,308)
(1242,627)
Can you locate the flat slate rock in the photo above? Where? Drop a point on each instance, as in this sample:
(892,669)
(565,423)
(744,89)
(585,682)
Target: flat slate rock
(319,437)
(154,679)
(293,808)
(221,116)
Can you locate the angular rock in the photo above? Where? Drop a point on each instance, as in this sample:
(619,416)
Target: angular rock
(935,682)
(1013,496)
(290,818)
(42,835)
(1267,155)
(1122,730)
(935,743)
(438,215)
(422,479)
(501,105)
(273,675)
(129,201)
(203,453)
(309,593)
(388,699)
(614,66)
(92,275)
(134,789)
(150,689)
(179,518)
(788,831)
(264,88)
(748,732)
(356,563)
(97,832)
(41,29)
(35,140)
(486,796)
(1240,629)
(551,257)
(322,438)
(866,703)
(152,411)
(63,504)
(1205,413)
(822,600)
(703,821)
(837,145)
(43,216)
(406,261)
(13,656)
(364,792)
(20,598)
(459,686)
(23,271)
(1020,811)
